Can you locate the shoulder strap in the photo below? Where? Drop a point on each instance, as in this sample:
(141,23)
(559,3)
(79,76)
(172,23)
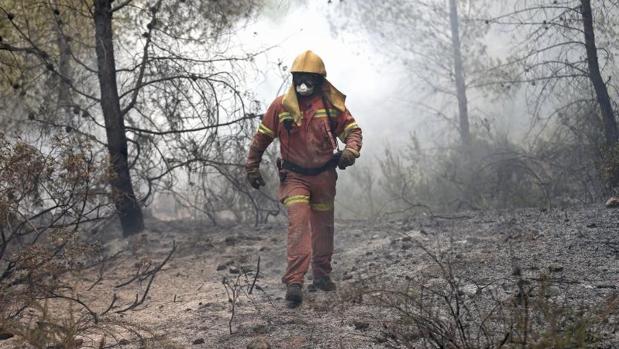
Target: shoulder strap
(332,121)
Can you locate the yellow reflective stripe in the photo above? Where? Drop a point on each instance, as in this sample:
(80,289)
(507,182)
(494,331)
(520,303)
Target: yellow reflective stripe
(320,113)
(322,206)
(347,130)
(265,130)
(296,199)
(351,126)
(284,115)
(355,153)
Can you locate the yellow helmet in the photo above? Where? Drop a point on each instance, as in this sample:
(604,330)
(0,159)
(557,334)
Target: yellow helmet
(308,62)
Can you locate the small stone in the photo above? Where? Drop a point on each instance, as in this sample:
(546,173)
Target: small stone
(198,341)
(347,277)
(613,202)
(553,291)
(361,325)
(605,285)
(375,236)
(123,342)
(260,329)
(407,238)
(259,343)
(469,290)
(224,265)
(555,268)
(234,270)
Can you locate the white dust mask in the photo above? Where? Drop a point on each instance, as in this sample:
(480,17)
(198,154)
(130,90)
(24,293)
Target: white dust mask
(305,90)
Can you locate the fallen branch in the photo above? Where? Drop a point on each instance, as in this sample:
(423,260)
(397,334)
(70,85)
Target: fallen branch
(152,273)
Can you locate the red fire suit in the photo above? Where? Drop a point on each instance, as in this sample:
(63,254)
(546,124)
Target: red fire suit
(309,199)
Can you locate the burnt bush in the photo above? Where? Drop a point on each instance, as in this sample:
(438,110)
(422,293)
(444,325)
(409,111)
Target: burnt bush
(492,174)
(53,194)
(443,308)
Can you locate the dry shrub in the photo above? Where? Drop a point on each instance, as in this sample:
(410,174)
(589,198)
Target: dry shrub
(445,310)
(492,173)
(47,193)
(50,195)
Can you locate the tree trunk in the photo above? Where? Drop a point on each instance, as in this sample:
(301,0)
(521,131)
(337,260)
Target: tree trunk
(64,102)
(608,116)
(463,112)
(126,203)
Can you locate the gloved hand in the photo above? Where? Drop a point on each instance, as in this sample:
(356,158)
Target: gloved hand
(254,177)
(347,158)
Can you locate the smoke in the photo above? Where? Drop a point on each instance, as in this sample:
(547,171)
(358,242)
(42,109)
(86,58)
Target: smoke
(373,85)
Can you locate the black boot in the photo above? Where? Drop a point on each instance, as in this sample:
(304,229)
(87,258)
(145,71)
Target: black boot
(294,295)
(323,283)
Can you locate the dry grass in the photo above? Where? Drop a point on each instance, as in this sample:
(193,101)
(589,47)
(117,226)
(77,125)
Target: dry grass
(447,311)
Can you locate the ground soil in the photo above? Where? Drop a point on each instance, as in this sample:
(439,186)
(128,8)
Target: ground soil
(188,305)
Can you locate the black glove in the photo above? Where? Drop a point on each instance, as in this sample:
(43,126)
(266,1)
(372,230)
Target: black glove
(254,177)
(347,158)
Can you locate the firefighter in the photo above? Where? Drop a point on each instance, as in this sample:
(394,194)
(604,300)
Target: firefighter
(308,120)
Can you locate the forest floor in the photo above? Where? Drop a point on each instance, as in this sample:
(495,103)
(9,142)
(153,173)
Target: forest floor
(188,305)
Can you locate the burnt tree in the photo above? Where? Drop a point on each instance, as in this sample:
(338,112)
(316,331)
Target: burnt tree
(601,92)
(167,83)
(463,113)
(124,197)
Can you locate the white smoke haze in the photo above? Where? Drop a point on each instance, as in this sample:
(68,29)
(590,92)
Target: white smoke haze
(374,88)
(378,61)
(393,60)
(382,92)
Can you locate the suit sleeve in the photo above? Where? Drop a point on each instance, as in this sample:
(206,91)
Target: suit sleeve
(349,132)
(266,133)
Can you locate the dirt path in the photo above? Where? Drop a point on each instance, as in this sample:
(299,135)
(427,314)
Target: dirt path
(188,305)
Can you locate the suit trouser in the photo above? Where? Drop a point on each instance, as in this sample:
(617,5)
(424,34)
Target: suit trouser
(309,201)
